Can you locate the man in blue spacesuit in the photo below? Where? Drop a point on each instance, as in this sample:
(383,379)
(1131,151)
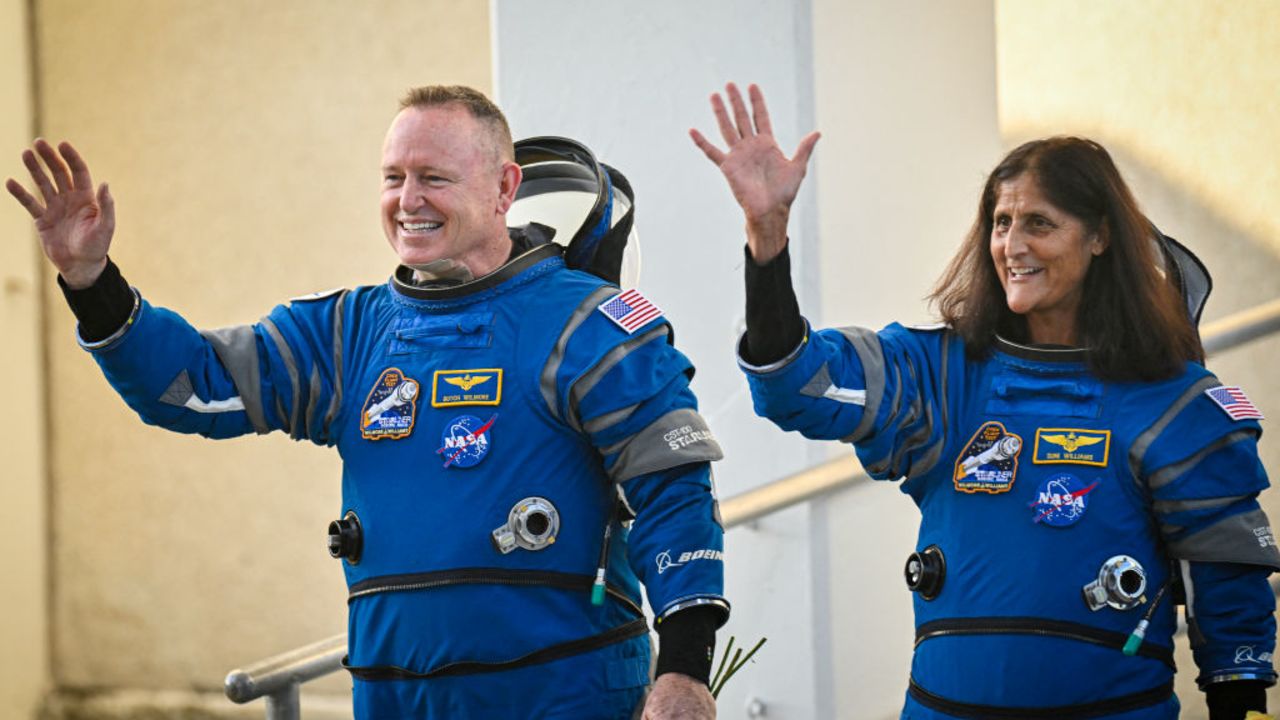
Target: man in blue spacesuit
(520,445)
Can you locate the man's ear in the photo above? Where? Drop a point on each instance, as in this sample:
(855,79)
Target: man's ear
(508,182)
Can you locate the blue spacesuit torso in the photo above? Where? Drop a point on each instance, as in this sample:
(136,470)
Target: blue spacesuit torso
(1031,475)
(495,438)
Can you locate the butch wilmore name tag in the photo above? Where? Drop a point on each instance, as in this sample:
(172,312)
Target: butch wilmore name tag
(478,386)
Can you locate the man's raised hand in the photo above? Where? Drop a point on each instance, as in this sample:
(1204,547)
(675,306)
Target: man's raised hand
(74,222)
(763,180)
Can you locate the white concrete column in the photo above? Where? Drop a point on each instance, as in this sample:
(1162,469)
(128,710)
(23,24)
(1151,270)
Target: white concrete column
(629,79)
(906,102)
(24,666)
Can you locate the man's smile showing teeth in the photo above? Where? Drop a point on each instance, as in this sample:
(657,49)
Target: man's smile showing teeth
(419,226)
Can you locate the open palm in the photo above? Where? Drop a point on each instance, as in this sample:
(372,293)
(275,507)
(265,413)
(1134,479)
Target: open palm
(763,180)
(74,222)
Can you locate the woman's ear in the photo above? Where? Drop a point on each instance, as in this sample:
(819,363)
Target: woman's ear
(1100,240)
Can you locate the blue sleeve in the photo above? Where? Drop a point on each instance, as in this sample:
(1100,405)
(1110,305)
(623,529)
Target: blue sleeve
(885,392)
(1202,470)
(1231,621)
(278,374)
(629,395)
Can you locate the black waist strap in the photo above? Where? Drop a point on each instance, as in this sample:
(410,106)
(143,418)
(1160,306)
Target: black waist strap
(1039,626)
(485,576)
(1099,708)
(635,628)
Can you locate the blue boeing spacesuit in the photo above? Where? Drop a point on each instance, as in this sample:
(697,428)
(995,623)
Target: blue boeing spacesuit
(1058,510)
(497,438)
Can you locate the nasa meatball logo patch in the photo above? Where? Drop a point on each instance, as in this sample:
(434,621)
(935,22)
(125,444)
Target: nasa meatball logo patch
(466,440)
(391,407)
(989,463)
(1061,500)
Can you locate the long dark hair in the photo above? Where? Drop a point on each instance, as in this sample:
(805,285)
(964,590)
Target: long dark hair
(1131,315)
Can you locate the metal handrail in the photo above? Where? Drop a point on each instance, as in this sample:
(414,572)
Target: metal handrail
(1241,327)
(278,677)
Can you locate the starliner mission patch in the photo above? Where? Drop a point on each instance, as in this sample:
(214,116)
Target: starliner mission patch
(391,407)
(989,463)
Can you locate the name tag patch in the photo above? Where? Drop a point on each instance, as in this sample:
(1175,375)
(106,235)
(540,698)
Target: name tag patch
(1072,446)
(479,386)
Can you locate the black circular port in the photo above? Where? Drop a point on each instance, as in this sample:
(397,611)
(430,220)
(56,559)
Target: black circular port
(345,538)
(537,522)
(925,572)
(1130,582)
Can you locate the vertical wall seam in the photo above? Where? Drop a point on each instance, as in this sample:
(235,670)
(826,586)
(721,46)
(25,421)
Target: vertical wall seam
(809,287)
(495,90)
(41,284)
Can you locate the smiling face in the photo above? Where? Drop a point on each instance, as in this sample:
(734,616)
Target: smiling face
(1041,255)
(445,189)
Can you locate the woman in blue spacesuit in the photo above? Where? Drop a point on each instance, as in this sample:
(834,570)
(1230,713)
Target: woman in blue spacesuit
(1060,419)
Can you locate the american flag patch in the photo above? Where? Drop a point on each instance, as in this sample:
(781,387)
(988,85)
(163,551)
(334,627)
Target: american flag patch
(1234,402)
(629,310)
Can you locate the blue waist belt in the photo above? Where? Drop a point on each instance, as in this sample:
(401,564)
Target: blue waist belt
(1039,626)
(567,581)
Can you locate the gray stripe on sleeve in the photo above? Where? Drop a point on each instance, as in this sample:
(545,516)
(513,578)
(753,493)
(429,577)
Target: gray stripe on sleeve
(677,438)
(280,413)
(930,456)
(1245,538)
(294,427)
(237,349)
(588,380)
(313,392)
(817,385)
(335,402)
(1164,507)
(867,345)
(583,311)
(609,419)
(1138,450)
(179,391)
(1169,473)
(944,391)
(895,405)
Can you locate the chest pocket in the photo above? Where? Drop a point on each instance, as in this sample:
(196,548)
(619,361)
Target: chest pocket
(1069,397)
(425,333)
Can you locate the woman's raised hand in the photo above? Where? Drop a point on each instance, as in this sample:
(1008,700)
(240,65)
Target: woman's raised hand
(763,180)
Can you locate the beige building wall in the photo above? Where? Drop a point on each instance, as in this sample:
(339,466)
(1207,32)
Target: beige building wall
(1183,94)
(24,666)
(241,141)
